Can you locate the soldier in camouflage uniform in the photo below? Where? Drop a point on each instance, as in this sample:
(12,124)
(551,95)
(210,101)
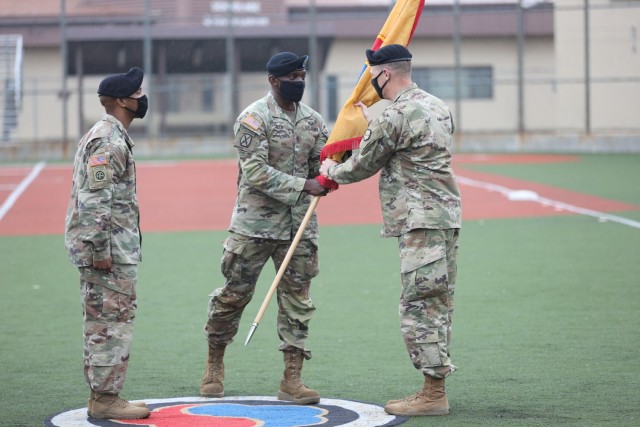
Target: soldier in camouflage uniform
(410,144)
(102,237)
(278,140)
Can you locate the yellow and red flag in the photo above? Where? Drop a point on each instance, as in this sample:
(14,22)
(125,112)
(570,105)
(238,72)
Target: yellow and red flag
(350,124)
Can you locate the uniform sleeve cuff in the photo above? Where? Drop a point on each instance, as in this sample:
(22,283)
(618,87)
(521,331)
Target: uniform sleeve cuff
(299,185)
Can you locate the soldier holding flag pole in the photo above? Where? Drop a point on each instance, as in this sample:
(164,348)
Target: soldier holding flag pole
(278,140)
(410,142)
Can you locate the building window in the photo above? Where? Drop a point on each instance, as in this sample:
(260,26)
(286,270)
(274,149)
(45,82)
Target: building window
(475,82)
(173,97)
(332,98)
(207,96)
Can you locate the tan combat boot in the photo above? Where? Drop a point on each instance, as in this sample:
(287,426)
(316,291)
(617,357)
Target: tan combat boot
(212,382)
(291,387)
(431,400)
(92,396)
(112,407)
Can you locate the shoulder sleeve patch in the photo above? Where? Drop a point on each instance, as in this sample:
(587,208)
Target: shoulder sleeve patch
(252,122)
(99,159)
(245,139)
(98,172)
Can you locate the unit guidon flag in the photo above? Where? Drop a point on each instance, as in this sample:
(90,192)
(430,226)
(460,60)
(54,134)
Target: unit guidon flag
(350,124)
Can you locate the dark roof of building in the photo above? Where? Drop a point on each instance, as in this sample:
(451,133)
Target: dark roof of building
(39,21)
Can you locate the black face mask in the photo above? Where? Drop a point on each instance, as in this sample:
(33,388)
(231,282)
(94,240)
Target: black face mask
(143,105)
(374,83)
(292,90)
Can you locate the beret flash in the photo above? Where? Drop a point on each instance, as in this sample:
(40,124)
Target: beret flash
(388,53)
(122,85)
(284,63)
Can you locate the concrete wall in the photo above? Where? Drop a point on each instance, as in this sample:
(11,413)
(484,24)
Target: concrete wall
(614,52)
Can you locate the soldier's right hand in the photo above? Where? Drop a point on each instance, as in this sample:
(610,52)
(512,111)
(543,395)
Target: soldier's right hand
(313,187)
(102,265)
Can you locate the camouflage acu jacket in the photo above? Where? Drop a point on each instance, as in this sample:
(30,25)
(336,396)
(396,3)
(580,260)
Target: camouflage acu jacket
(410,143)
(275,157)
(103,217)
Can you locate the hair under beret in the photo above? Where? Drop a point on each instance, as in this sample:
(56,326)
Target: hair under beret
(122,85)
(388,53)
(284,63)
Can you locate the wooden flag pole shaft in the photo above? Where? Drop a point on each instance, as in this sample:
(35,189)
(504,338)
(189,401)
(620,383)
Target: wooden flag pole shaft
(283,267)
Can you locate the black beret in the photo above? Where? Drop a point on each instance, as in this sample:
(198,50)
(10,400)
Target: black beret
(388,53)
(284,63)
(122,85)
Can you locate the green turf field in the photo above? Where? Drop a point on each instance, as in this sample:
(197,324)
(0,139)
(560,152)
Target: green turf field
(546,328)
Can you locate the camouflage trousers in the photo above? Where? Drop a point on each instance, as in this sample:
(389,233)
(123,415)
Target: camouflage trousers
(107,328)
(428,270)
(242,261)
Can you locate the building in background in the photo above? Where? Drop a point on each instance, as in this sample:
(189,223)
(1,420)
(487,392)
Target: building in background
(528,77)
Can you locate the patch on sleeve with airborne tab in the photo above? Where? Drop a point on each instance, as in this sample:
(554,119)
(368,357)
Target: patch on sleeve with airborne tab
(98,171)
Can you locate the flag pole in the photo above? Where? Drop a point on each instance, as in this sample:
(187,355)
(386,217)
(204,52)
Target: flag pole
(283,267)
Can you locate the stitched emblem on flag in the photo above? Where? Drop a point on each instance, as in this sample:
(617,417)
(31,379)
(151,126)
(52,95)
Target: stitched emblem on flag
(99,159)
(252,122)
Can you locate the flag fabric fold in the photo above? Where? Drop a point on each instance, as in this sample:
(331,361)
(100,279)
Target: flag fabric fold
(350,124)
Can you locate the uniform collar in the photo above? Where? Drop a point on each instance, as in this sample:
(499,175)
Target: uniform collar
(302,109)
(412,86)
(120,126)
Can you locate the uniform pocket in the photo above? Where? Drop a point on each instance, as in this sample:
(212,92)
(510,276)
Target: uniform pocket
(306,256)
(232,247)
(424,272)
(411,259)
(102,359)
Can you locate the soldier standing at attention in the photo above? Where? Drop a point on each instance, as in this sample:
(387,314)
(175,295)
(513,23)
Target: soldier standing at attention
(102,237)
(278,140)
(410,143)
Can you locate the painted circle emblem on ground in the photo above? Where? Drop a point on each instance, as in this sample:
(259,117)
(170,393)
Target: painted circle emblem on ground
(247,411)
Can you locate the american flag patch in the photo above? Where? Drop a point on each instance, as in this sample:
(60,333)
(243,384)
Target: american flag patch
(99,159)
(252,122)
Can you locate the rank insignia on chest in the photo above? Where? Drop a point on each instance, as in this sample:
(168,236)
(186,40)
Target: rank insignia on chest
(245,140)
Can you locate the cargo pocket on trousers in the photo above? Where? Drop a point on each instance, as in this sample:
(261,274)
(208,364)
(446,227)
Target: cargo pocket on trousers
(424,272)
(309,251)
(232,247)
(102,359)
(430,350)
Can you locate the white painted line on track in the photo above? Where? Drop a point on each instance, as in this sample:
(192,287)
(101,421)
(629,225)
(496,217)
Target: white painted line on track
(532,196)
(15,194)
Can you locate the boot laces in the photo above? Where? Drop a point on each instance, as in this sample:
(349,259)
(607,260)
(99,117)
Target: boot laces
(212,372)
(118,401)
(414,396)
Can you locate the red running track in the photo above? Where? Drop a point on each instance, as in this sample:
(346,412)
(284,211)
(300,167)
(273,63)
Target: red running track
(199,195)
